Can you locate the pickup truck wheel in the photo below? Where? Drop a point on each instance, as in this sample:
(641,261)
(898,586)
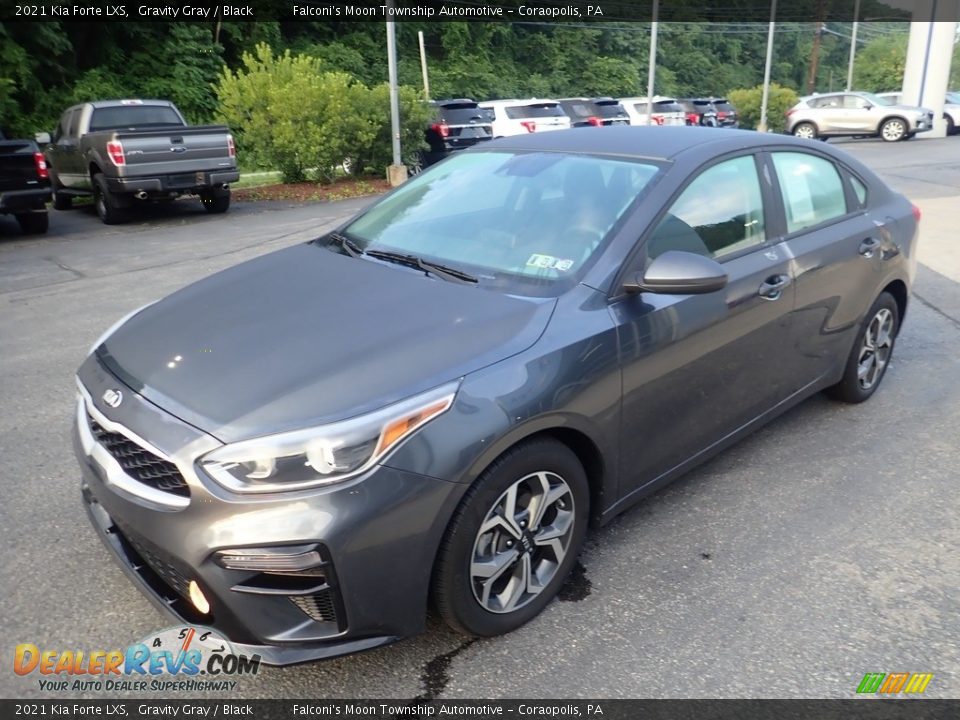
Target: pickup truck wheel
(215,201)
(61,201)
(105,203)
(33,223)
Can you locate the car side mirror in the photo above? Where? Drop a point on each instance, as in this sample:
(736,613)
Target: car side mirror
(676,272)
(42,138)
(868,106)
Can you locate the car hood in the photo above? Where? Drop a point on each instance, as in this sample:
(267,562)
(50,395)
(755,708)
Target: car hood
(907,108)
(305,336)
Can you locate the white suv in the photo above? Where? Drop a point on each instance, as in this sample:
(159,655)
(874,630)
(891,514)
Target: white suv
(666,110)
(518,117)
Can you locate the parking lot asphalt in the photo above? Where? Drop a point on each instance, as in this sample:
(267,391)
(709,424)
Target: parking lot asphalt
(823,547)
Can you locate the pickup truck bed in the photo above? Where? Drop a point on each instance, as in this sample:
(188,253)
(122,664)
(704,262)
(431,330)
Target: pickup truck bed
(24,184)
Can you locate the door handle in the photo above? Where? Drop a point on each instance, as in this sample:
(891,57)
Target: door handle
(772,288)
(868,247)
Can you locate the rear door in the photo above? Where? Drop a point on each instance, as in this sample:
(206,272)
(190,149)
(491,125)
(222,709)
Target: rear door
(859,114)
(696,368)
(838,246)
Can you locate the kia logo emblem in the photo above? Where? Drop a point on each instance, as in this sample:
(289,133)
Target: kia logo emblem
(113,398)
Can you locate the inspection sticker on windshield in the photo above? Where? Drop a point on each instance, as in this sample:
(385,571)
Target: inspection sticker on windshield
(548,262)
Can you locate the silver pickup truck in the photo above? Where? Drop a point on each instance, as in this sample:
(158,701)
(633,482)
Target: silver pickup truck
(128,151)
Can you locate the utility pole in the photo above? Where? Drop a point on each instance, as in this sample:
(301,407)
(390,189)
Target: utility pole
(423,65)
(815,52)
(397,172)
(853,44)
(652,67)
(762,125)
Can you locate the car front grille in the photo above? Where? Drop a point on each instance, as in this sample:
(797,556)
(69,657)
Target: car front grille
(139,463)
(170,570)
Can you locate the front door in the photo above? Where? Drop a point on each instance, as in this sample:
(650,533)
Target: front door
(696,368)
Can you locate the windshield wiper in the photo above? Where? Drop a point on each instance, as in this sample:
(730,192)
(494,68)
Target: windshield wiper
(346,244)
(418,263)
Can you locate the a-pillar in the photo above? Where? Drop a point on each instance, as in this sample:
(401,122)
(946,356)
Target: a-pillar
(927,72)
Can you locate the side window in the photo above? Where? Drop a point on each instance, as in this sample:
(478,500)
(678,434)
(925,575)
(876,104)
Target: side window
(720,212)
(859,190)
(811,189)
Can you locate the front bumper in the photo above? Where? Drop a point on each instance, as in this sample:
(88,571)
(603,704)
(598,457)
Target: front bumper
(921,124)
(180,182)
(377,535)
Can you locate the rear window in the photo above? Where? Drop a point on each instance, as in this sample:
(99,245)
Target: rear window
(610,109)
(134,116)
(538,110)
(665,106)
(580,109)
(723,105)
(702,103)
(464,114)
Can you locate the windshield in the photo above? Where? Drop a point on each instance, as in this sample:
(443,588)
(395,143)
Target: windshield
(953,98)
(525,223)
(877,100)
(134,116)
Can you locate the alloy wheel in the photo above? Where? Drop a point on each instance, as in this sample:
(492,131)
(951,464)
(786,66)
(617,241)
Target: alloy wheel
(875,349)
(893,130)
(804,131)
(522,542)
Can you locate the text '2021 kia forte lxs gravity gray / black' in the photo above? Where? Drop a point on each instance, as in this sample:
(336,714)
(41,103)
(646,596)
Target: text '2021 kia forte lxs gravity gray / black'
(436,400)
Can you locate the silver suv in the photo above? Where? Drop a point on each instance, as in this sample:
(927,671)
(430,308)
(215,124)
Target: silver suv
(857,114)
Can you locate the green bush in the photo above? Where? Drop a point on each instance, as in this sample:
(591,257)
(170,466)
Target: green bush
(291,114)
(747,102)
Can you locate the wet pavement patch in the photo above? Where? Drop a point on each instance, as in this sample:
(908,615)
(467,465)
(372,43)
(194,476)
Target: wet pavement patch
(577,586)
(436,676)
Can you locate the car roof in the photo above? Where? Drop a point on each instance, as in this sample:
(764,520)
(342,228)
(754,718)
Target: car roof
(528,101)
(652,143)
(130,102)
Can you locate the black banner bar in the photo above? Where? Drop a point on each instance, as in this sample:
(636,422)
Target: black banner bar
(559,11)
(855,709)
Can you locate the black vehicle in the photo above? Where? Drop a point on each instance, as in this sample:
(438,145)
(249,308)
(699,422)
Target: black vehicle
(440,397)
(24,184)
(596,112)
(700,111)
(727,115)
(611,111)
(458,124)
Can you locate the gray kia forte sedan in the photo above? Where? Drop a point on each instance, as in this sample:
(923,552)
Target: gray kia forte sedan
(434,402)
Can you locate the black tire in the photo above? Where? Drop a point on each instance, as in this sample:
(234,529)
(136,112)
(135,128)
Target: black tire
(215,201)
(951,126)
(61,201)
(33,223)
(802,130)
(851,387)
(106,204)
(893,130)
(453,585)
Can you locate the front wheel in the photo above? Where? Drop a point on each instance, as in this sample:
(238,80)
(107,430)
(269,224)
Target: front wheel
(513,541)
(871,353)
(61,201)
(951,126)
(216,201)
(893,130)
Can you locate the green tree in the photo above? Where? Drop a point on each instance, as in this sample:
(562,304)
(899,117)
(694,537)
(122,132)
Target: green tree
(748,101)
(880,64)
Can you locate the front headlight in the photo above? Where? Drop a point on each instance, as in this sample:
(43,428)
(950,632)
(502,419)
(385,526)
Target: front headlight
(326,454)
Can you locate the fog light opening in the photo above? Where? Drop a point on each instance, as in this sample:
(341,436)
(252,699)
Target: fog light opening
(197,597)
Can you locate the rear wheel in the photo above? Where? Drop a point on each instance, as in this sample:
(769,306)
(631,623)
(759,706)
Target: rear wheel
(805,130)
(893,130)
(33,223)
(951,126)
(513,540)
(216,201)
(871,353)
(108,207)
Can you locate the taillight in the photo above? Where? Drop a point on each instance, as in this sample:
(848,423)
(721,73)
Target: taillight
(658,119)
(442,129)
(790,112)
(231,148)
(41,164)
(721,114)
(916,213)
(530,125)
(115,151)
(595,121)
(693,119)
